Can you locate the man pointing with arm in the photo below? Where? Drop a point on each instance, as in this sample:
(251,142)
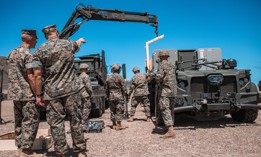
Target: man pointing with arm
(61,89)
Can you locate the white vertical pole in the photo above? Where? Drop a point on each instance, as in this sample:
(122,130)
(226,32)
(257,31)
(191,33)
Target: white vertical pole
(147,49)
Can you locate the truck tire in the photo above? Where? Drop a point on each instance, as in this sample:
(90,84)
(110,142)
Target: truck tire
(103,105)
(107,105)
(245,115)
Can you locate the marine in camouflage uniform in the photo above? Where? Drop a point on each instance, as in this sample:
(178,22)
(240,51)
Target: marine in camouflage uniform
(139,92)
(116,89)
(20,76)
(166,78)
(86,94)
(61,89)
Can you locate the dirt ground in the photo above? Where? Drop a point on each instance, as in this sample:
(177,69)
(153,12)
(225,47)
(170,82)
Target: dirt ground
(215,138)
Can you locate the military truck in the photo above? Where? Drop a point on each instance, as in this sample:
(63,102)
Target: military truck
(209,87)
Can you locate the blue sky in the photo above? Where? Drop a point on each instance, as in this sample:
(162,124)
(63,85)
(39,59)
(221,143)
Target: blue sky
(232,25)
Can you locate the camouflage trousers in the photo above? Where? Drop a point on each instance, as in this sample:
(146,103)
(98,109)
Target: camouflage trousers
(144,100)
(26,123)
(86,109)
(56,113)
(117,110)
(167,110)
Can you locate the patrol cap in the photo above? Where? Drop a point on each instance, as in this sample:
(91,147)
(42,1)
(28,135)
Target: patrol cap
(30,32)
(48,29)
(84,66)
(163,53)
(115,67)
(135,69)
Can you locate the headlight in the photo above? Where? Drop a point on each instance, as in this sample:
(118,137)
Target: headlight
(215,79)
(246,80)
(243,82)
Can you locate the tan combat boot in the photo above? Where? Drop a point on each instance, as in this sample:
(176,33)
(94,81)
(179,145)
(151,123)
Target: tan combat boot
(148,118)
(130,119)
(114,125)
(120,126)
(18,152)
(29,153)
(82,154)
(170,133)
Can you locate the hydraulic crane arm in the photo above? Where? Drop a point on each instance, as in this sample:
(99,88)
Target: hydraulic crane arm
(89,13)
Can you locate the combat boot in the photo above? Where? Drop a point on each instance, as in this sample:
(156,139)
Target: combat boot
(120,126)
(148,118)
(130,119)
(29,153)
(170,133)
(82,154)
(114,126)
(18,152)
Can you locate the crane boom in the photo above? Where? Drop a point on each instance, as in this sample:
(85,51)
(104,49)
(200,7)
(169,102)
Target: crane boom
(89,13)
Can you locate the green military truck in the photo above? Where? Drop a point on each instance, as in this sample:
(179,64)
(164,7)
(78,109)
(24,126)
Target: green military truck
(209,87)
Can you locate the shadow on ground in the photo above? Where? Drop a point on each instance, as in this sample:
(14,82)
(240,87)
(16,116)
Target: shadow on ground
(185,122)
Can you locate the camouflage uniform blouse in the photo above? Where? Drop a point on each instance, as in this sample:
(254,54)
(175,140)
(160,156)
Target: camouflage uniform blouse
(166,77)
(20,59)
(85,82)
(116,87)
(139,84)
(57,58)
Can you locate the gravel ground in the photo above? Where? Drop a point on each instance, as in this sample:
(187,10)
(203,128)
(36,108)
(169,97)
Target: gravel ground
(215,138)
